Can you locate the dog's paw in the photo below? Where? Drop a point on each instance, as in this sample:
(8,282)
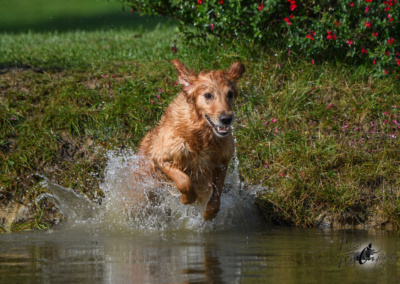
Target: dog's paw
(188,198)
(210,214)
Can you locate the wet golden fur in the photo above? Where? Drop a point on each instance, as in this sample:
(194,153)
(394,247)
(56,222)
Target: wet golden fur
(185,145)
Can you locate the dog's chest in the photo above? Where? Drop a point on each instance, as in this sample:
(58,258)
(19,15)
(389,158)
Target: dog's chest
(205,161)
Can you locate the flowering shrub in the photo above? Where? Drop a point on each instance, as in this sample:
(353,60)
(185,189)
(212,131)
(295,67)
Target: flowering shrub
(367,30)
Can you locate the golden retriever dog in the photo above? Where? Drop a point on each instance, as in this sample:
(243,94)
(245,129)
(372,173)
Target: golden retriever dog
(193,143)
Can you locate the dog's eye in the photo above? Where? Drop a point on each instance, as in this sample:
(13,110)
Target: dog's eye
(208,96)
(230,94)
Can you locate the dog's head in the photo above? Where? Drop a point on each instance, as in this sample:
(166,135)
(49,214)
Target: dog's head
(213,94)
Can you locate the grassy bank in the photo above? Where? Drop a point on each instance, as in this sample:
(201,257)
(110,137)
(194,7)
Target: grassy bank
(323,136)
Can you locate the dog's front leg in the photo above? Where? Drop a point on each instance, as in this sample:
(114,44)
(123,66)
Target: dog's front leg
(183,183)
(215,200)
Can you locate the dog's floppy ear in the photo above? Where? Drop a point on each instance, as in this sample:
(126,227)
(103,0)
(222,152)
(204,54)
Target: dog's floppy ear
(186,77)
(236,71)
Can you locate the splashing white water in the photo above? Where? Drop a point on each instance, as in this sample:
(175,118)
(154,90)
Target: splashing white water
(151,205)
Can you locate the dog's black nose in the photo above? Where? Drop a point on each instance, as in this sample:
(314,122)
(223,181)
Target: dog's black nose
(226,118)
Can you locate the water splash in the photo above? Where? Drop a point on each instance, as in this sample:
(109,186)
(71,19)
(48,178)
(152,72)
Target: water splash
(148,204)
(71,204)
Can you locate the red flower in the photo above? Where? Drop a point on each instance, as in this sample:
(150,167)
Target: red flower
(260,7)
(368,24)
(337,23)
(212,26)
(398,61)
(351,4)
(199,2)
(374,61)
(391,19)
(291,16)
(311,35)
(368,1)
(292,5)
(331,36)
(287,21)
(374,34)
(350,41)
(221,2)
(390,41)
(367,9)
(386,71)
(364,51)
(387,53)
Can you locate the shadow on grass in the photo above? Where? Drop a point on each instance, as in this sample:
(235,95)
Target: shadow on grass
(6,67)
(115,20)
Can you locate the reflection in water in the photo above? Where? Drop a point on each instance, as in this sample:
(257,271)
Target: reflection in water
(88,254)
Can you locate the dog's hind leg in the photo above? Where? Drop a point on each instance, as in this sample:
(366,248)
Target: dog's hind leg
(214,202)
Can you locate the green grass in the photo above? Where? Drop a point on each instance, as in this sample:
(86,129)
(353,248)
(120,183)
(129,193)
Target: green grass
(334,147)
(42,16)
(322,135)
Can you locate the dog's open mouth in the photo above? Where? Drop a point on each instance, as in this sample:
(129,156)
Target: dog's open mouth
(220,130)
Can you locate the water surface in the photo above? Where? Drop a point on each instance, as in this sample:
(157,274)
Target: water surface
(79,254)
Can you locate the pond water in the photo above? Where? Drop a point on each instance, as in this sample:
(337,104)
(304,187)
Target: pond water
(277,255)
(167,242)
